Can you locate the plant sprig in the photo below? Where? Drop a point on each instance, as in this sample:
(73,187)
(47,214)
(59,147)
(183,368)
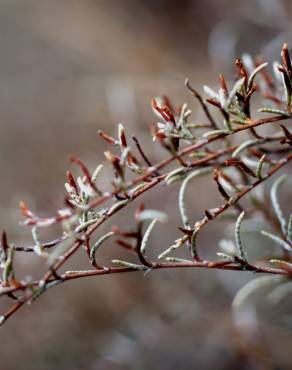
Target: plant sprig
(193,149)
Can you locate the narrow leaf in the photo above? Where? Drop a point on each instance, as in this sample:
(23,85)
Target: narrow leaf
(147,234)
(238,243)
(277,240)
(97,245)
(275,202)
(182,192)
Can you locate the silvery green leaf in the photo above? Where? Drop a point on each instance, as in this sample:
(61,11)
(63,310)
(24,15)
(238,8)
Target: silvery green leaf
(38,248)
(168,251)
(182,192)
(254,73)
(150,214)
(85,225)
(245,145)
(289,229)
(252,286)
(274,111)
(175,172)
(176,178)
(138,187)
(238,243)
(124,156)
(280,292)
(277,73)
(193,243)
(248,62)
(96,172)
(69,188)
(236,88)
(215,133)
(85,188)
(161,125)
(259,169)
(98,244)
(178,243)
(250,162)
(225,256)
(117,206)
(275,202)
(147,235)
(183,115)
(211,92)
(282,243)
(222,98)
(227,246)
(130,265)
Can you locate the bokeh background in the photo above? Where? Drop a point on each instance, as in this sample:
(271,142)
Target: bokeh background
(69,67)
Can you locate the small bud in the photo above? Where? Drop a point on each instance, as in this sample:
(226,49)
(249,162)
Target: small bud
(122,136)
(106,137)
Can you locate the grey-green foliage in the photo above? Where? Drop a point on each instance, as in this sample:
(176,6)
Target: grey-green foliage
(289,229)
(178,243)
(194,244)
(253,75)
(280,292)
(252,286)
(286,227)
(175,175)
(182,193)
(97,245)
(245,145)
(259,169)
(213,133)
(132,266)
(238,242)
(274,111)
(38,248)
(147,235)
(276,204)
(282,243)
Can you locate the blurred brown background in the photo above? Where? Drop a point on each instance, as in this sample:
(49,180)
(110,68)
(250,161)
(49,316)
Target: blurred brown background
(69,67)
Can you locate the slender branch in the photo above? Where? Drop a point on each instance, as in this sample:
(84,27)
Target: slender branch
(143,155)
(203,264)
(47,245)
(172,130)
(202,103)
